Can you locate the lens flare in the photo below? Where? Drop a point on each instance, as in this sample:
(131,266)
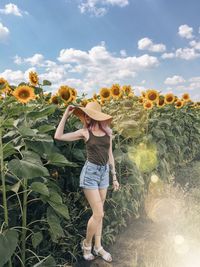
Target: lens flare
(154,178)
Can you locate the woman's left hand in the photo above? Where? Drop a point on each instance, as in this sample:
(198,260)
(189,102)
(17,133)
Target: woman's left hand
(116,185)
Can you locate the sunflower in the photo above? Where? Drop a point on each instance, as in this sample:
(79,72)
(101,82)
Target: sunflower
(24,93)
(179,104)
(169,98)
(54,99)
(7,90)
(127,89)
(116,91)
(161,101)
(186,97)
(65,93)
(3,85)
(141,99)
(94,96)
(84,102)
(143,94)
(102,102)
(105,94)
(74,93)
(130,95)
(148,104)
(152,95)
(33,78)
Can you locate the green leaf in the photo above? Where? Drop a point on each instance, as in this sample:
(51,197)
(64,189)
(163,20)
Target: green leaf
(31,157)
(42,147)
(22,83)
(25,131)
(36,239)
(8,123)
(60,209)
(8,150)
(8,244)
(46,128)
(26,169)
(59,160)
(15,187)
(40,188)
(46,83)
(118,154)
(47,262)
(78,154)
(55,197)
(54,223)
(42,113)
(158,133)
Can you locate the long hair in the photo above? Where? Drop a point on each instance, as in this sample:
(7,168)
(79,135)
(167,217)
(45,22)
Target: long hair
(103,125)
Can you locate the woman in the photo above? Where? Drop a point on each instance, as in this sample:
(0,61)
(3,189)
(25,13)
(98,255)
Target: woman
(94,177)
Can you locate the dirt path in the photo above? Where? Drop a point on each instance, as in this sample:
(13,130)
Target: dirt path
(129,248)
(170,239)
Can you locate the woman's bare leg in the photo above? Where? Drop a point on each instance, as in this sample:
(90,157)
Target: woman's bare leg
(98,233)
(94,198)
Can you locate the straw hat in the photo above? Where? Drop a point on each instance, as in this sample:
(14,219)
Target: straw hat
(93,110)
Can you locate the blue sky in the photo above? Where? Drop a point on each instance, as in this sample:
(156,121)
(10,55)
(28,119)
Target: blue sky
(89,44)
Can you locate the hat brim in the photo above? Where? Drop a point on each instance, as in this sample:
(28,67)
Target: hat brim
(95,115)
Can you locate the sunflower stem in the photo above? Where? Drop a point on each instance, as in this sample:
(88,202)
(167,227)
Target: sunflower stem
(4,186)
(118,140)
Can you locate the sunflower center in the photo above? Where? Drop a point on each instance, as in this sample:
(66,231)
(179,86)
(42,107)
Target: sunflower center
(152,96)
(65,95)
(106,94)
(148,105)
(161,101)
(24,94)
(55,100)
(169,99)
(116,91)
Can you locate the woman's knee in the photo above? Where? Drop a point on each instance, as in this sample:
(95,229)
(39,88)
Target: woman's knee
(98,215)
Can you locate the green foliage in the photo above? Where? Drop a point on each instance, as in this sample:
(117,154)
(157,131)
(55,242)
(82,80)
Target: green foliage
(8,244)
(40,175)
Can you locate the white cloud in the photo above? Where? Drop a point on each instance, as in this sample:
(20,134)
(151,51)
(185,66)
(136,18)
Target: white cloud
(184,53)
(187,53)
(147,44)
(35,60)
(123,53)
(89,70)
(195,79)
(176,79)
(98,58)
(100,7)
(98,67)
(11,9)
(195,45)
(185,31)
(195,85)
(168,55)
(18,60)
(13,76)
(73,55)
(4,32)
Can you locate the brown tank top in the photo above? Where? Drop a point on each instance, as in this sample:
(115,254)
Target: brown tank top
(97,148)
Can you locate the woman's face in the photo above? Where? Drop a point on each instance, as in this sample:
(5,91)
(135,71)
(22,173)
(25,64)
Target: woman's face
(87,119)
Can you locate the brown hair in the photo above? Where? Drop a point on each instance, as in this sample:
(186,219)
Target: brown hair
(103,125)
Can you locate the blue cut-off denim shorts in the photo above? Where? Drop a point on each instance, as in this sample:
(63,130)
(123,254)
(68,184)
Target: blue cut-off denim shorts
(94,176)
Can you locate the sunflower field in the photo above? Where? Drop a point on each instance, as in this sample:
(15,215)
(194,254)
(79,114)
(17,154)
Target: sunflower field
(43,212)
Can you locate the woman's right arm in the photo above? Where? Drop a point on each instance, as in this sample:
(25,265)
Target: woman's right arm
(59,135)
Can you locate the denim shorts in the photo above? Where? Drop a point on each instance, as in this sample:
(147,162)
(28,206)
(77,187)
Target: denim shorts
(94,176)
